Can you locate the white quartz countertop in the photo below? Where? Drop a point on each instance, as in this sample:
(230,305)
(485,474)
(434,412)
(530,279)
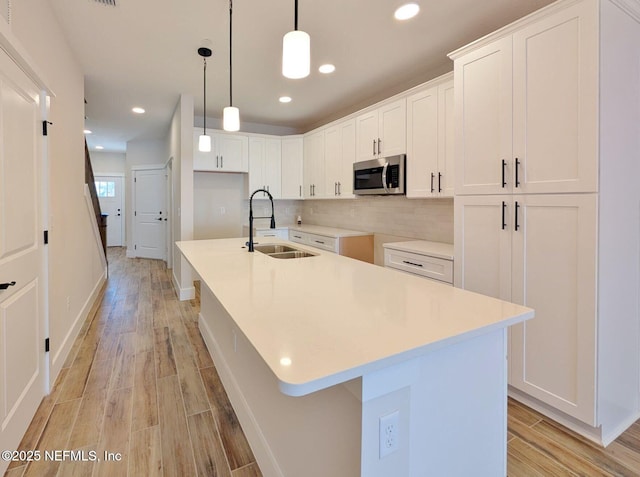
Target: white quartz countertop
(423,247)
(323,320)
(328,231)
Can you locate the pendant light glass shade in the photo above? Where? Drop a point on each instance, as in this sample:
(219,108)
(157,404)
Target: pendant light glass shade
(231,118)
(296,54)
(204,143)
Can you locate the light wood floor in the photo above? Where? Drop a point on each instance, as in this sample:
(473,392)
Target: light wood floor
(139,381)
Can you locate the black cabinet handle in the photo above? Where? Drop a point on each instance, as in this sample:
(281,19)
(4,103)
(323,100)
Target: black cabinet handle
(319,241)
(411,263)
(504,209)
(517,166)
(300,193)
(432,176)
(159,218)
(374,147)
(439,182)
(516,226)
(4,286)
(504,166)
(339,188)
(379,141)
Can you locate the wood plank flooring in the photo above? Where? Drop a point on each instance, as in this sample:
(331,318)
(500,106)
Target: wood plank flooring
(140,382)
(137,383)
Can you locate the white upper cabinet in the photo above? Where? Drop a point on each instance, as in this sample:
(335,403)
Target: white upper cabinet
(382,131)
(314,166)
(229,153)
(265,165)
(291,176)
(430,142)
(339,153)
(483,119)
(526,108)
(555,103)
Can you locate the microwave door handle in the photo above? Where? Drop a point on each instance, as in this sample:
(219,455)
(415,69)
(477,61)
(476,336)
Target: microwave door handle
(384,176)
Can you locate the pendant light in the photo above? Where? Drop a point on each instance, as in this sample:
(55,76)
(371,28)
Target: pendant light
(230,114)
(296,52)
(204,141)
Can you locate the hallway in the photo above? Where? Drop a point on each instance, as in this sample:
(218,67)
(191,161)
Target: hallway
(139,382)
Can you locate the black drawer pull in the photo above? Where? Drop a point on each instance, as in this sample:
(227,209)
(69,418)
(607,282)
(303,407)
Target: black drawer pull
(504,208)
(517,167)
(504,181)
(411,263)
(432,176)
(516,226)
(319,241)
(4,286)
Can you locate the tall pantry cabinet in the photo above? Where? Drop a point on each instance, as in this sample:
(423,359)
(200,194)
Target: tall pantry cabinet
(547,203)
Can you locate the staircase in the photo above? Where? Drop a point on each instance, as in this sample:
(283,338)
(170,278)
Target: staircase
(101,219)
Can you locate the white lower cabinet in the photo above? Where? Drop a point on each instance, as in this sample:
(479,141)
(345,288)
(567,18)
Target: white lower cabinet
(281,233)
(331,244)
(538,251)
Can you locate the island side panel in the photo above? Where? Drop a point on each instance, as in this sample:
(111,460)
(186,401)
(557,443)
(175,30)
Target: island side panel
(314,435)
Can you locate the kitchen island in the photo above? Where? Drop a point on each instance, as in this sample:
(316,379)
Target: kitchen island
(314,351)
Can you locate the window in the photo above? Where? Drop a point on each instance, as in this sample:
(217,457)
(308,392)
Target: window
(106,188)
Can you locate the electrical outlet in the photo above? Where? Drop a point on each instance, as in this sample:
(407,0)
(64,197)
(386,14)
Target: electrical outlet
(389,433)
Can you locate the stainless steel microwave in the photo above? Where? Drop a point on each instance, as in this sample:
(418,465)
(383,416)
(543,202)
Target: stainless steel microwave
(384,176)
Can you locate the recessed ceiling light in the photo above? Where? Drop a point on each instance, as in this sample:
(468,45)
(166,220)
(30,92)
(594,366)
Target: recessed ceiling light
(99,147)
(284,99)
(407,11)
(87,131)
(327,68)
(138,110)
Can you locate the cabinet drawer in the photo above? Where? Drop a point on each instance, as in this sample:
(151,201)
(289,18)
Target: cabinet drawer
(320,241)
(298,237)
(280,233)
(430,267)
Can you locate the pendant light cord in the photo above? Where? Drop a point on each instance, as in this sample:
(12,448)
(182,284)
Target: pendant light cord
(295,21)
(204,102)
(230,54)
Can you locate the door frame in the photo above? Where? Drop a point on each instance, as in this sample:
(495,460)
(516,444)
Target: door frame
(96,176)
(169,197)
(19,56)
(131,252)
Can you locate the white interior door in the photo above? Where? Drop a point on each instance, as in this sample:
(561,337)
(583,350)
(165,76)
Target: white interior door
(110,194)
(22,304)
(150,215)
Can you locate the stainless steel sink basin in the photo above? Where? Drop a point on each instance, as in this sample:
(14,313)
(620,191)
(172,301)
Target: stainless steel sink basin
(292,254)
(282,251)
(270,248)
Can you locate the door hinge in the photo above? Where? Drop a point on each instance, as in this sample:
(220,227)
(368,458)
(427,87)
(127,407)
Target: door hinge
(46,237)
(46,345)
(135,247)
(44,127)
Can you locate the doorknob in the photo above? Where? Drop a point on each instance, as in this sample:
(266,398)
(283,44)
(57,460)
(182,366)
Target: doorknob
(159,218)
(4,286)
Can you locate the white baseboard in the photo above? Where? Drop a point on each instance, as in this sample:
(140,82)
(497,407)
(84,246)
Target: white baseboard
(58,359)
(183,293)
(609,437)
(259,445)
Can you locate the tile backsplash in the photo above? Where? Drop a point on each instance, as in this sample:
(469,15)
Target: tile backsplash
(423,219)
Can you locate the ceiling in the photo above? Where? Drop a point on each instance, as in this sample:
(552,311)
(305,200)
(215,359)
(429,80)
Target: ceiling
(144,53)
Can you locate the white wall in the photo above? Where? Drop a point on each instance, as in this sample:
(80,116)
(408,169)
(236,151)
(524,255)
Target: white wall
(71,238)
(217,202)
(180,150)
(107,162)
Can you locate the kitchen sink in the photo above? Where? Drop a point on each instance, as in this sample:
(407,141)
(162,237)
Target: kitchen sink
(270,248)
(282,251)
(292,254)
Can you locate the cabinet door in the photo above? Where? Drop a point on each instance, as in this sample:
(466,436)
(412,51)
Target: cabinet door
(422,143)
(256,165)
(367,135)
(555,101)
(482,244)
(483,117)
(273,166)
(392,128)
(203,161)
(446,139)
(314,186)
(233,151)
(291,171)
(554,272)
(332,159)
(348,149)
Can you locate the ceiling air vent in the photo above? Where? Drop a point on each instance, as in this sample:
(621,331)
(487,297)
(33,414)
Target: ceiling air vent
(107,2)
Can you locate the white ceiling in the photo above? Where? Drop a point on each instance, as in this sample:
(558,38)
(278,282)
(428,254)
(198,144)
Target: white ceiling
(144,53)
